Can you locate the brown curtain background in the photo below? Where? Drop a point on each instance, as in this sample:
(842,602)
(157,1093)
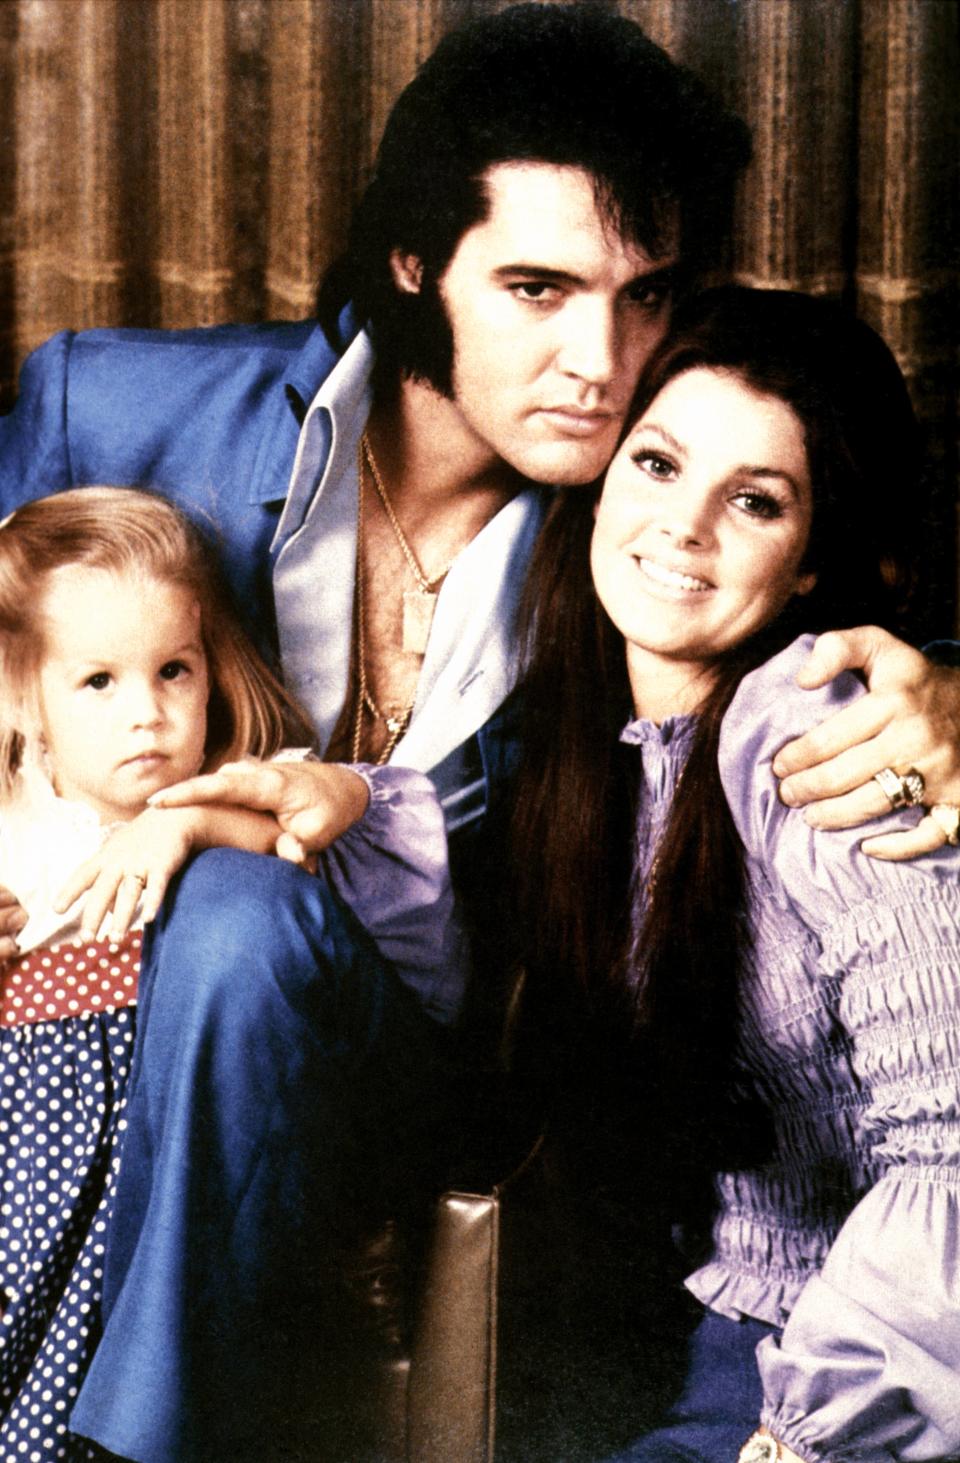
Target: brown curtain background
(181,162)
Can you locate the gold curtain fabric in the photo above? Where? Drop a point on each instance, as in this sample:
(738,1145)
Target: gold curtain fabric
(178,162)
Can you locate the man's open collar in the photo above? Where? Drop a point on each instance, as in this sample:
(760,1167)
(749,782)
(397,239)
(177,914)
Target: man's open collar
(326,446)
(307,372)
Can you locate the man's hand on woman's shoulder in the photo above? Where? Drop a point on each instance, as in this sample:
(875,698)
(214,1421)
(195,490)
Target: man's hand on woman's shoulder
(908,721)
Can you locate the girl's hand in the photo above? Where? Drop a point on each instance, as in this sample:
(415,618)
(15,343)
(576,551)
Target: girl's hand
(145,853)
(13,917)
(137,860)
(313,802)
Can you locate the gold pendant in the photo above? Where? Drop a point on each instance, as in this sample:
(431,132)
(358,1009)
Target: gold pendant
(418,608)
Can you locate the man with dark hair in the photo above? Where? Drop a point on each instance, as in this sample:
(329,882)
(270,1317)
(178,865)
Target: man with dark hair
(541,184)
(526,85)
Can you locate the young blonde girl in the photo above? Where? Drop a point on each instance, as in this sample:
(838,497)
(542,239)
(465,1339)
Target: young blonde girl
(123,672)
(76,565)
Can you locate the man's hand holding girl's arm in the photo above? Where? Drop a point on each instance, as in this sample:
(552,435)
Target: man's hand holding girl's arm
(378,839)
(909,719)
(313,802)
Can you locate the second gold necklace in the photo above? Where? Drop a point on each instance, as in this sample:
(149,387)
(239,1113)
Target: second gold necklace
(418,604)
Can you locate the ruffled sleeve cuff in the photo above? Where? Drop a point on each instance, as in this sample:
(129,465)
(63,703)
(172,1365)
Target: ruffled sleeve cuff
(868,1367)
(391,870)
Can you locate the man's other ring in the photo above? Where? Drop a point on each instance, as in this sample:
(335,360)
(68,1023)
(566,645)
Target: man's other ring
(901,792)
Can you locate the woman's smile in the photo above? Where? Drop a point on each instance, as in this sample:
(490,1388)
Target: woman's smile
(701,530)
(676,582)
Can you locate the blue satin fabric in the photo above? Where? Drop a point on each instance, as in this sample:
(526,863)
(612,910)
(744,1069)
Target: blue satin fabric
(282,1087)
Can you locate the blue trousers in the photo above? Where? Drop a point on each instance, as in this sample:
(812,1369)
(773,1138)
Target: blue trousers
(283,1087)
(719,1404)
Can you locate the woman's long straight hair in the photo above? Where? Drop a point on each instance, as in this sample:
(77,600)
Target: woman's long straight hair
(671,990)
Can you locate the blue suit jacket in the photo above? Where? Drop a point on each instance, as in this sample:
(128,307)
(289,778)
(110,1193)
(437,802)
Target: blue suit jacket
(210,418)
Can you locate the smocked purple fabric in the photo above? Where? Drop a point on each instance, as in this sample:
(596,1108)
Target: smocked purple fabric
(850,1033)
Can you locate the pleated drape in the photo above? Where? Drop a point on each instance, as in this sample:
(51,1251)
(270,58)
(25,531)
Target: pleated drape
(176,162)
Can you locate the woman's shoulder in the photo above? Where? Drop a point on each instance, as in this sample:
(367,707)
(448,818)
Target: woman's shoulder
(770,708)
(810,866)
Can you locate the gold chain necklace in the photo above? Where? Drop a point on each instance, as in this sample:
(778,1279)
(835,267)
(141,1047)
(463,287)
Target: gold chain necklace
(398,722)
(418,604)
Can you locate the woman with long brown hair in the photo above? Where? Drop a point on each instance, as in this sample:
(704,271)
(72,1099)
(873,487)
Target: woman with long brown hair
(758,1001)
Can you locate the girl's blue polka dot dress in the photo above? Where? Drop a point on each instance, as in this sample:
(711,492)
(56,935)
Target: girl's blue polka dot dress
(67,1021)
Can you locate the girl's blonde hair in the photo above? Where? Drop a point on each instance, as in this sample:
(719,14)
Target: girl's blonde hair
(130,531)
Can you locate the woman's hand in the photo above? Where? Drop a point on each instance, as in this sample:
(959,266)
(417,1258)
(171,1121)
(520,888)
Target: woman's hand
(13,917)
(313,802)
(910,718)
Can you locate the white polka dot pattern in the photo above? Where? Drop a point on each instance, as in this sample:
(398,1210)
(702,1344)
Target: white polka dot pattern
(45,985)
(62,1085)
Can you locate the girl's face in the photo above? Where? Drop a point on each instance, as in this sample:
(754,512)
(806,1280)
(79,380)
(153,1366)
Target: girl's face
(123,688)
(701,531)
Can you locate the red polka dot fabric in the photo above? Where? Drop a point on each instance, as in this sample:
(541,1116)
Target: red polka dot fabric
(46,985)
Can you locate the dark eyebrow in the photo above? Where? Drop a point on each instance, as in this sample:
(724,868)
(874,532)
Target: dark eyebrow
(656,277)
(665,277)
(664,436)
(744,467)
(537,271)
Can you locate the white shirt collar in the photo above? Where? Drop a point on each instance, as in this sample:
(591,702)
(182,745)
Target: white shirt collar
(330,435)
(470,665)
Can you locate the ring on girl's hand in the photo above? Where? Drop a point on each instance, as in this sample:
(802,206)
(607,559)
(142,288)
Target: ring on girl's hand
(141,879)
(947,818)
(901,792)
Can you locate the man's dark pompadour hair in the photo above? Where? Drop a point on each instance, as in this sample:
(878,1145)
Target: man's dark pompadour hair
(570,85)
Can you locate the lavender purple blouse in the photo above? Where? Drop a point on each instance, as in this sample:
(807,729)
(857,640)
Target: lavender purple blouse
(849,1237)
